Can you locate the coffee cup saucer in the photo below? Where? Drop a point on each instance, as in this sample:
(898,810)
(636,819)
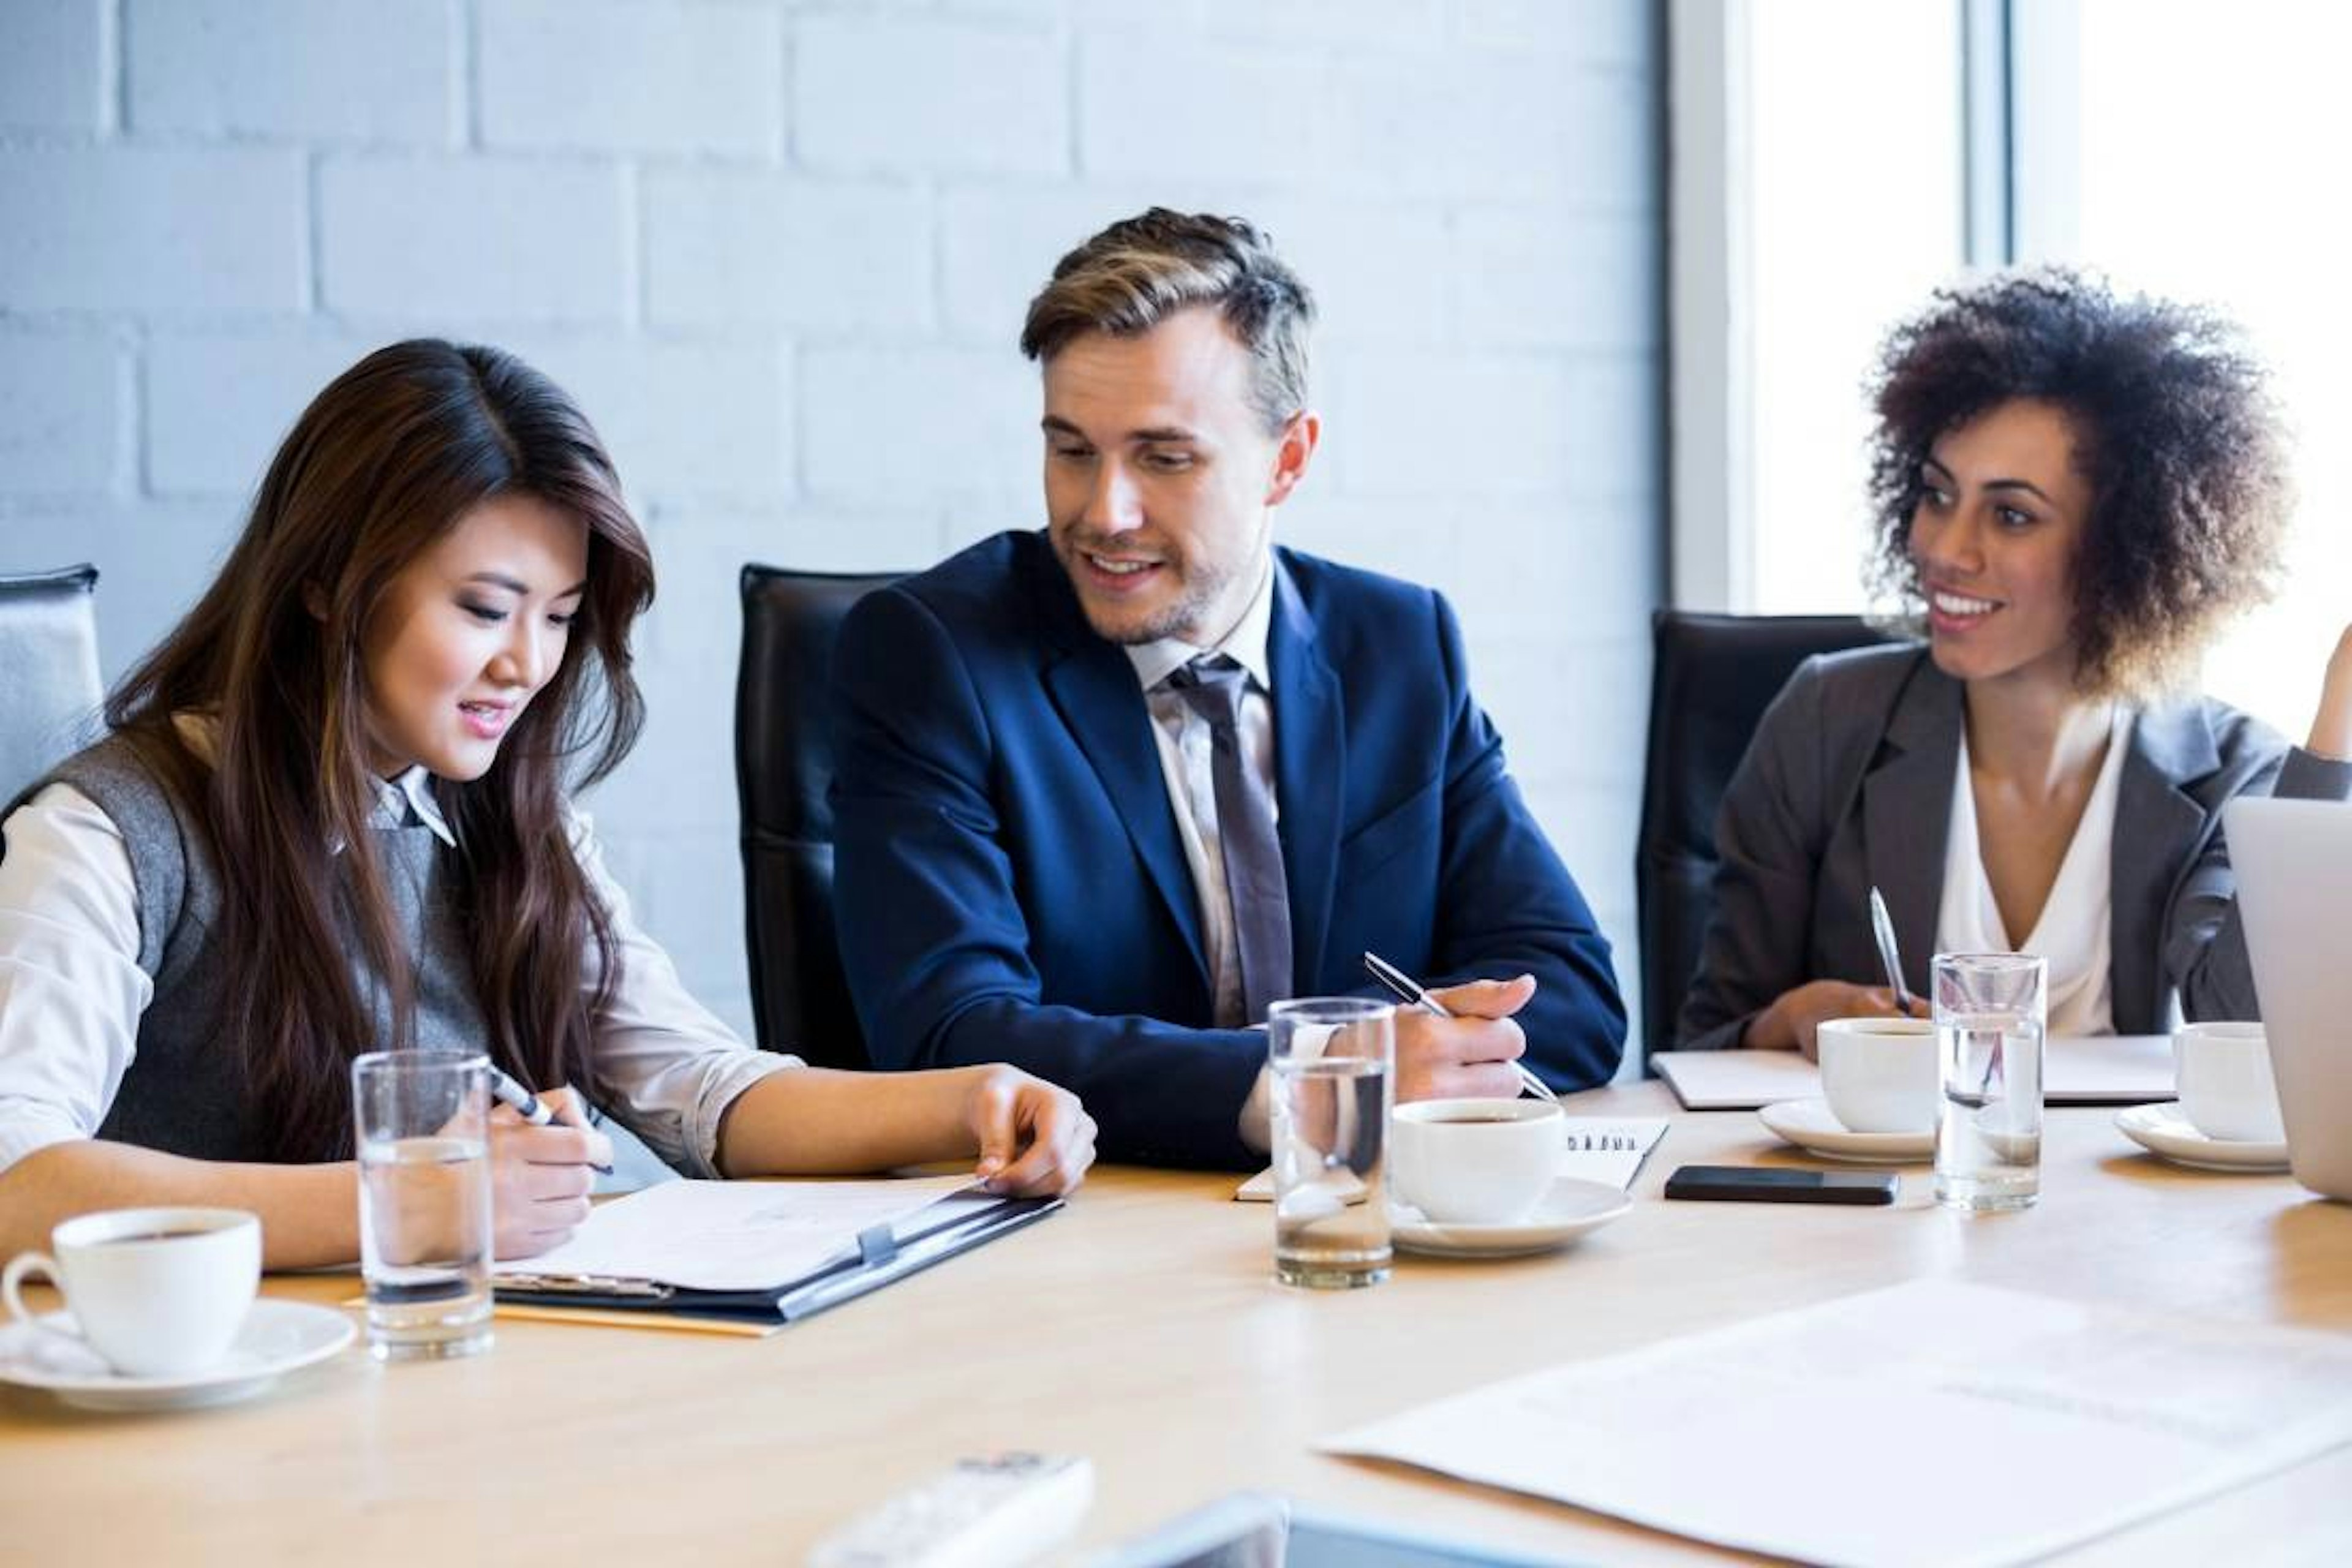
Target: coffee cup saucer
(1811,1126)
(1568,1210)
(276,1338)
(2164,1132)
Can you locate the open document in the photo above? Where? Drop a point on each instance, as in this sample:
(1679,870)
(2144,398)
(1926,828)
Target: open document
(1928,1424)
(768,1251)
(2077,1069)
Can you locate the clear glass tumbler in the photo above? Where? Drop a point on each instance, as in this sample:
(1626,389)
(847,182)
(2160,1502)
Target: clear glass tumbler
(422,1121)
(1990,1011)
(1333,1060)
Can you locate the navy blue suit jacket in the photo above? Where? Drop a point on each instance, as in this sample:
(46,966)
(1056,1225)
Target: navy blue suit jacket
(1010,885)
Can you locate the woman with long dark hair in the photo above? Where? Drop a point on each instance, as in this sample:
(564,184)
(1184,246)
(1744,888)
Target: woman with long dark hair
(332,817)
(2076,490)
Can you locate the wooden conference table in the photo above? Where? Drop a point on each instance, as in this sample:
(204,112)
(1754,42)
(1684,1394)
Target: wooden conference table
(1140,1328)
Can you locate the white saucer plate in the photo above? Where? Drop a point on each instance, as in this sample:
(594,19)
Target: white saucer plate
(1809,1125)
(1572,1208)
(276,1338)
(2163,1132)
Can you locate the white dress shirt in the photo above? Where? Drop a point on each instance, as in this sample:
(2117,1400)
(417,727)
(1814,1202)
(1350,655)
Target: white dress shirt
(71,991)
(1184,740)
(2075,934)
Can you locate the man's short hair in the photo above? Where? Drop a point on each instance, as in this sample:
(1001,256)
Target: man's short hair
(1140,270)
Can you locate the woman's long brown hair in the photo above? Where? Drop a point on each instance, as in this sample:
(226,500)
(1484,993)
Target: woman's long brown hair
(393,455)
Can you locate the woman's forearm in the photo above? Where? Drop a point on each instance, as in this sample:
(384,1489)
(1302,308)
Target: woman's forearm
(812,1122)
(2331,727)
(310,1214)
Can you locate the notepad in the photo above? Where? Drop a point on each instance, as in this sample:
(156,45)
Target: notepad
(761,1251)
(1928,1424)
(1608,1149)
(2077,1069)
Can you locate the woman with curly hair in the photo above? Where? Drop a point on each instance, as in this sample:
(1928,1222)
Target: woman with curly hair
(2074,491)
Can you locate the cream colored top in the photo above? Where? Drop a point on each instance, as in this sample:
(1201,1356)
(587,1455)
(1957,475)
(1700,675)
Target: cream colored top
(2075,933)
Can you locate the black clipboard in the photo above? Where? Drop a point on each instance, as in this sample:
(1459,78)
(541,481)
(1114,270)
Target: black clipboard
(885,1253)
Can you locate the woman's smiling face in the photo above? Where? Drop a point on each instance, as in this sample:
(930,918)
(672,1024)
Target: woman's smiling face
(1999,521)
(468,632)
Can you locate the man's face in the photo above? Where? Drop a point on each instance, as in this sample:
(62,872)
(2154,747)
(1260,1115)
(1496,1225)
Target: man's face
(1161,478)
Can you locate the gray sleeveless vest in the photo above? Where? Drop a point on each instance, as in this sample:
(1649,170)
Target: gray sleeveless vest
(186,1092)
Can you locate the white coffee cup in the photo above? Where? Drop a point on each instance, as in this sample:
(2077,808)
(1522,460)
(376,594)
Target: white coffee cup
(1879,1073)
(1474,1161)
(158,1292)
(2223,1074)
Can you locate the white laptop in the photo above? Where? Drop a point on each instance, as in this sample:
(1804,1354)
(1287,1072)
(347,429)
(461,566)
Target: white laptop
(2294,865)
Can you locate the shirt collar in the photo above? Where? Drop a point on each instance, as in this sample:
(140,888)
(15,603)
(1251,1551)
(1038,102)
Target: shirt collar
(399,800)
(408,797)
(1245,645)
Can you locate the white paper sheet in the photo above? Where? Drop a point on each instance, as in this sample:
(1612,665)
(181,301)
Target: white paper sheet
(1929,1423)
(2078,1070)
(732,1236)
(1600,1149)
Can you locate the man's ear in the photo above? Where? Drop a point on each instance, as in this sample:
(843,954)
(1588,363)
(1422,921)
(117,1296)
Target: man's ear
(1291,458)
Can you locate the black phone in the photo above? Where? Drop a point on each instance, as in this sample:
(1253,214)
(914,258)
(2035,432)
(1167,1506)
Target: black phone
(1773,1184)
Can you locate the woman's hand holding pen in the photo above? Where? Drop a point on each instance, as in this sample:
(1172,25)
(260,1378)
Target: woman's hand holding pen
(1790,1022)
(1035,1140)
(540,1177)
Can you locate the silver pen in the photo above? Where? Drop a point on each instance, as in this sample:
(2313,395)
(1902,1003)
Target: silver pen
(1883,928)
(1408,990)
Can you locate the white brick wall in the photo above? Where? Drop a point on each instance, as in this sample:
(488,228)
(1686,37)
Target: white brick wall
(334,70)
(61,426)
(780,249)
(53,57)
(615,76)
(148,230)
(502,239)
(963,98)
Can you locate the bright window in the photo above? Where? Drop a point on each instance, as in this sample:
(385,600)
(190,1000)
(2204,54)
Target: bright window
(2188,151)
(1855,215)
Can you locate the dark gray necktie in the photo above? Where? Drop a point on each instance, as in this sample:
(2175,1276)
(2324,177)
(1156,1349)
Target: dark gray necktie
(1254,883)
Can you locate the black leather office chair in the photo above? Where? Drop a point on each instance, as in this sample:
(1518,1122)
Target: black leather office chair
(49,689)
(783,764)
(1711,679)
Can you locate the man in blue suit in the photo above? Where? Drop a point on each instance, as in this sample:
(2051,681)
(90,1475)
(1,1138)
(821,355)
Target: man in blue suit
(1103,792)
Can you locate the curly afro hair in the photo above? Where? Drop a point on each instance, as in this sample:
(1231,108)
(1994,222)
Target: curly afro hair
(2179,437)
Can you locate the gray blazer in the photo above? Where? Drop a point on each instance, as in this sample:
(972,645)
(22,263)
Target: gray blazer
(1848,783)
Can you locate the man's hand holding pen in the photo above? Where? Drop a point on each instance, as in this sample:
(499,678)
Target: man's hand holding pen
(1470,1055)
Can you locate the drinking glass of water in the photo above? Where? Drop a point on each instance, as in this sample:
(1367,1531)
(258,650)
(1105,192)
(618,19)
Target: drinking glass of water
(1990,1011)
(422,1119)
(1333,1061)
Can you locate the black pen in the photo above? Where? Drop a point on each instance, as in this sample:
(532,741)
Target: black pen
(527,1105)
(1408,990)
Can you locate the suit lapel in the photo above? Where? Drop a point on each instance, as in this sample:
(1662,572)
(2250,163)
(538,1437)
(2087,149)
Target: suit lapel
(2157,826)
(1094,688)
(1310,750)
(1906,798)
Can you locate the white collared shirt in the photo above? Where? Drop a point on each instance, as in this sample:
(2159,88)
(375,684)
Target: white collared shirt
(71,991)
(2075,934)
(1184,740)
(1186,767)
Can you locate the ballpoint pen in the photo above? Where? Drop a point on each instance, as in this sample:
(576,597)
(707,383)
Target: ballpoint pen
(1883,928)
(1408,990)
(527,1105)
